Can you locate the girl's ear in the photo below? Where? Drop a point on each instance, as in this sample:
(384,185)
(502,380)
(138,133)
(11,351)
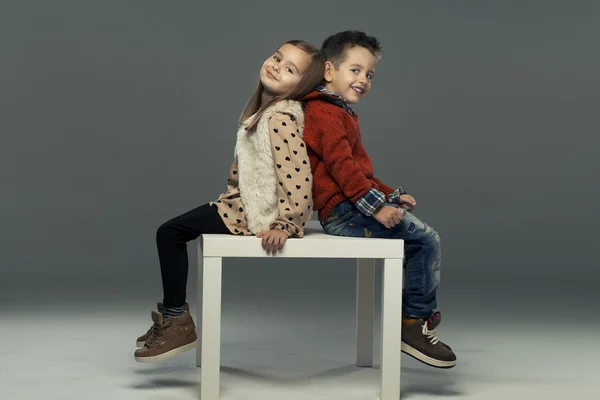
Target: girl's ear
(328,75)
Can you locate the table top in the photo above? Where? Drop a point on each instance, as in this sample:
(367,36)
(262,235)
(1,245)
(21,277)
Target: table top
(315,244)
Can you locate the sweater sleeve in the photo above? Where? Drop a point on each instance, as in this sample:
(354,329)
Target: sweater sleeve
(377,195)
(382,186)
(331,141)
(361,156)
(294,177)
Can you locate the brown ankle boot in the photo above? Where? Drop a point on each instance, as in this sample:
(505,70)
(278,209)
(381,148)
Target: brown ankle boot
(168,337)
(423,344)
(142,339)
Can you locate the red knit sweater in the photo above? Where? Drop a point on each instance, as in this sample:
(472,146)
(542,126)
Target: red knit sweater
(341,167)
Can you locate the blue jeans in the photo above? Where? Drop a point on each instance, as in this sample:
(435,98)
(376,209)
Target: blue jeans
(422,254)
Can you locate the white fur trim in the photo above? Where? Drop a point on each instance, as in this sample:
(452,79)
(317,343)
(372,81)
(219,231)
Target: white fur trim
(257,176)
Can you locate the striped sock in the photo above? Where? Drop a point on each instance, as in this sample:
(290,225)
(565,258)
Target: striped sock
(173,312)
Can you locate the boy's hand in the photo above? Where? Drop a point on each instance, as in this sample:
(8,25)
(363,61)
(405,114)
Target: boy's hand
(407,202)
(272,240)
(388,216)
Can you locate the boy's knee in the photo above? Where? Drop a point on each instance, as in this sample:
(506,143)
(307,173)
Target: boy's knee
(436,236)
(432,234)
(431,240)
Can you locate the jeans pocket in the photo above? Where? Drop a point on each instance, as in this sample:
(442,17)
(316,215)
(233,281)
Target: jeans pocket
(339,216)
(344,208)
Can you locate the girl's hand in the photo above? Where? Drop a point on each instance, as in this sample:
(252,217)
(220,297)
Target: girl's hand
(407,202)
(272,240)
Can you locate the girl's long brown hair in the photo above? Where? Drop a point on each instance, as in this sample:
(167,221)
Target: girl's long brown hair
(312,78)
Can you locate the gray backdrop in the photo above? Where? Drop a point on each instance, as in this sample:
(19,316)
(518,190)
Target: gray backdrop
(116,116)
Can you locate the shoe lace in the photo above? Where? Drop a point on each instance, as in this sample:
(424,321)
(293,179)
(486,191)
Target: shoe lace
(157,331)
(431,334)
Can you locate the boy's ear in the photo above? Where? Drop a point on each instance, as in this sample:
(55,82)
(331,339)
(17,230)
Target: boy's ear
(328,75)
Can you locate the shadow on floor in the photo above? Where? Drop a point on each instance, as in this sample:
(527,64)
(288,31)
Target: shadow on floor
(415,381)
(166,383)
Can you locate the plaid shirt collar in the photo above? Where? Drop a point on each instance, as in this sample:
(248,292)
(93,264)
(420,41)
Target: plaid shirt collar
(334,98)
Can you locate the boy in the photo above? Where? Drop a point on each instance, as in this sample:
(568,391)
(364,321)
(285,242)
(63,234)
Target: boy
(351,201)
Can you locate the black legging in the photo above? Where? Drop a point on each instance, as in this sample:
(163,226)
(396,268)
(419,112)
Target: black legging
(171,239)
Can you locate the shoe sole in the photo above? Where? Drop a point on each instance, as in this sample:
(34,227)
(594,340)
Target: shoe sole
(168,354)
(417,355)
(140,344)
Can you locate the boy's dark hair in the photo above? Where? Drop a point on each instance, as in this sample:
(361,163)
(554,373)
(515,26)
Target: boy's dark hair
(335,46)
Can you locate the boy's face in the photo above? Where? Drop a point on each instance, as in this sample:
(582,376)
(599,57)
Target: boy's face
(352,80)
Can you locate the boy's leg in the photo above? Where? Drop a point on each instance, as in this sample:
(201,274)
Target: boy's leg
(422,266)
(173,331)
(421,248)
(422,276)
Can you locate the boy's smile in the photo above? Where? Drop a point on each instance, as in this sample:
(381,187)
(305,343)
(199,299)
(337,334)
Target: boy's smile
(352,80)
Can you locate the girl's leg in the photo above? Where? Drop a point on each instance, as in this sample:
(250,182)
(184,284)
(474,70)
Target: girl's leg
(171,241)
(174,331)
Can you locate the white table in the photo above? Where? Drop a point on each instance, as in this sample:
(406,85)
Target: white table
(316,244)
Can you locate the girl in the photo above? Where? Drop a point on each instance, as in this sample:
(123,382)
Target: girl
(268,191)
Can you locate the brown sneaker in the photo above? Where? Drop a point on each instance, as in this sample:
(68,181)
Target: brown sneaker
(420,342)
(433,322)
(142,339)
(168,337)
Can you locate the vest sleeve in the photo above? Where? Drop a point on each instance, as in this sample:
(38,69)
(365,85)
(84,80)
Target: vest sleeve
(294,177)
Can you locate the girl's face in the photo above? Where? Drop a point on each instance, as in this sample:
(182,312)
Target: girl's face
(284,69)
